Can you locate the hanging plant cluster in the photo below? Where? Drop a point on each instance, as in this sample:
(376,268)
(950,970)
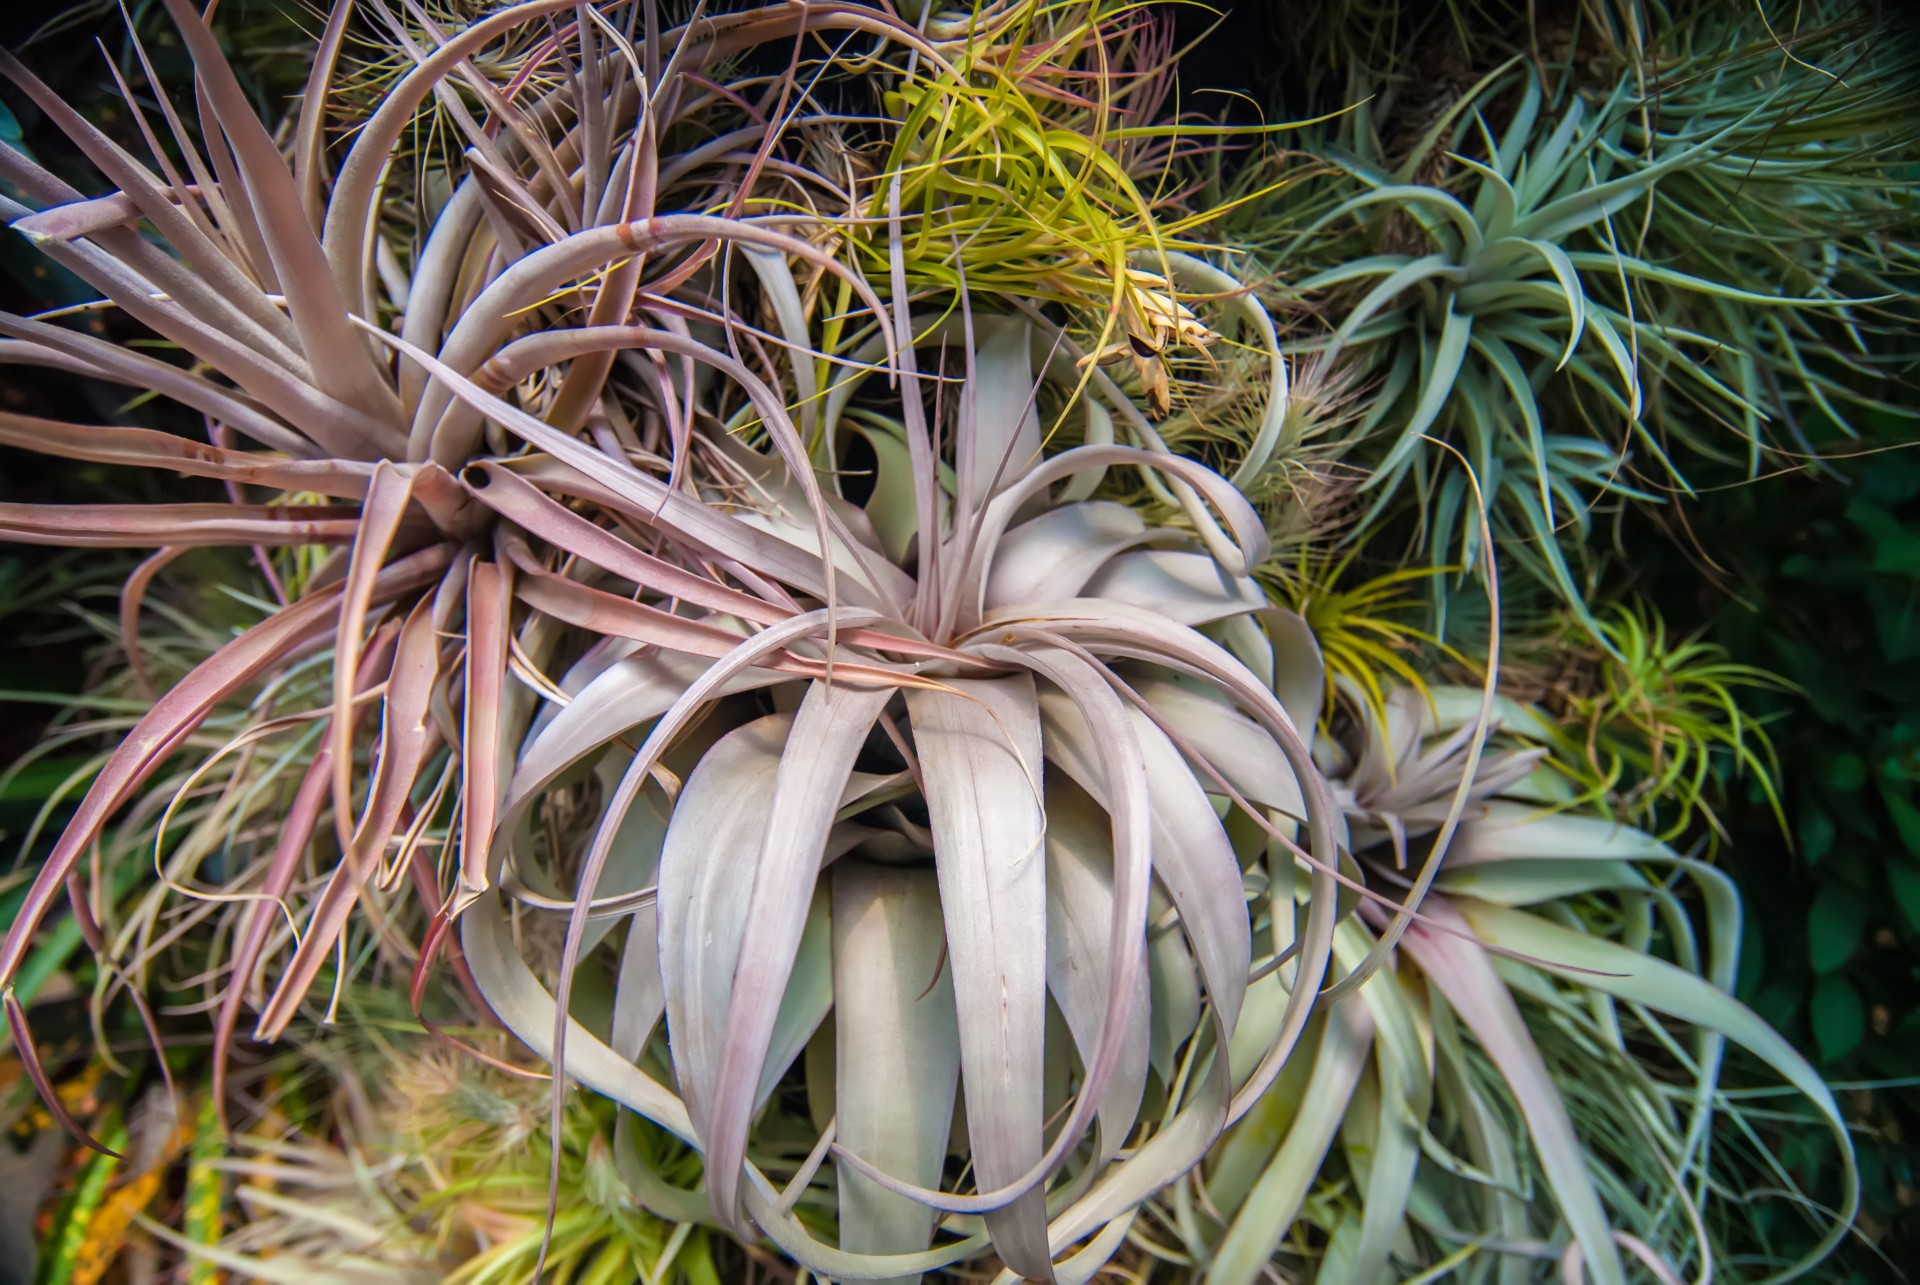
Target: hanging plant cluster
(866,647)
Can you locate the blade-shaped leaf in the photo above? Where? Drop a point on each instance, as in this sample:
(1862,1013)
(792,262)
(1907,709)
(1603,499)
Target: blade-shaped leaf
(979,749)
(898,1049)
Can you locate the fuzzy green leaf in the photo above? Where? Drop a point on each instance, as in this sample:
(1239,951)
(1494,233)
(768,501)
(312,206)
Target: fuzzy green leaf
(1839,1018)
(1835,922)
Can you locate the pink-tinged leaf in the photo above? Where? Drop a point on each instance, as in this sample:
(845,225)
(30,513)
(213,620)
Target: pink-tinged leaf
(489,605)
(436,277)
(828,732)
(407,737)
(830,526)
(634,494)
(979,749)
(209,284)
(352,209)
(319,309)
(289,852)
(389,492)
(1050,558)
(133,595)
(302,819)
(121,526)
(29,1055)
(59,348)
(478,345)
(176,714)
(83,219)
(1464,975)
(533,511)
(309,126)
(894,1026)
(613,616)
(144,448)
(244,235)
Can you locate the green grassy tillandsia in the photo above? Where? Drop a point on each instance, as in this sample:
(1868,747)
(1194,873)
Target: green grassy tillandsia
(1532,271)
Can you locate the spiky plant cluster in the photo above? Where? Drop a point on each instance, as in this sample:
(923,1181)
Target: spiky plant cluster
(1597,278)
(803,659)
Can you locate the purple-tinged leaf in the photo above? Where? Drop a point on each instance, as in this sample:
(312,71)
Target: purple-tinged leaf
(979,749)
(120,526)
(828,731)
(897,1062)
(1463,973)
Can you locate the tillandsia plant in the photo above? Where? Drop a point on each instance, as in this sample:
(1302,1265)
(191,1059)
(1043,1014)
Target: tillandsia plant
(282,306)
(409,1160)
(1663,726)
(1542,1085)
(1523,267)
(899,742)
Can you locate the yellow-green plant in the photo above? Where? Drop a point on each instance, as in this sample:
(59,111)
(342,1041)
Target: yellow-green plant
(1654,737)
(1365,632)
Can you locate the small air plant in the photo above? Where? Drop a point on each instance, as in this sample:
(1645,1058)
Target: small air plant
(1537,1079)
(388,1155)
(1660,725)
(1042,167)
(1365,633)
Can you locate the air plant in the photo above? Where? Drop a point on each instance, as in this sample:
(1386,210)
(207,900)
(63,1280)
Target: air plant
(1538,1079)
(422,1163)
(1364,632)
(1811,194)
(1024,786)
(1660,725)
(274,290)
(1501,301)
